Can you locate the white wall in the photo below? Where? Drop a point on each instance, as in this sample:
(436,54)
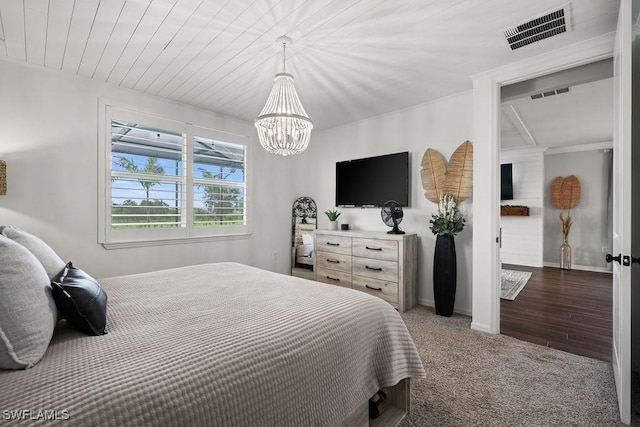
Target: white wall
(522,236)
(535,240)
(48,137)
(590,231)
(442,125)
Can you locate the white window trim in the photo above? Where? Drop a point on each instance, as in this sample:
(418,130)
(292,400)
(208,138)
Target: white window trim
(117,239)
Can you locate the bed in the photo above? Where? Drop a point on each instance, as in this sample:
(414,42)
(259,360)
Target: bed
(219,345)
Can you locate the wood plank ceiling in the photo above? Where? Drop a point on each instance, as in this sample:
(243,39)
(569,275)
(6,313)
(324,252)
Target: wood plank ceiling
(351,59)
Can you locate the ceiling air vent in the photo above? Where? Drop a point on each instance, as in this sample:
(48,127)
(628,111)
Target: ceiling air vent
(548,25)
(549,93)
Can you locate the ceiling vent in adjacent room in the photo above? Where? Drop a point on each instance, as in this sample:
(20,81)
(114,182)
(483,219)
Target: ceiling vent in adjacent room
(539,28)
(548,93)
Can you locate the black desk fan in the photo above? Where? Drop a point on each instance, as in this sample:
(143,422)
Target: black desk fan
(392,214)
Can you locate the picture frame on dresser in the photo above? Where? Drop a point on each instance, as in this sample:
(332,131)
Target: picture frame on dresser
(380,264)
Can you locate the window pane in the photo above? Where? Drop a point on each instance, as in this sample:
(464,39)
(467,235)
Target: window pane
(218,160)
(218,205)
(146,177)
(219,183)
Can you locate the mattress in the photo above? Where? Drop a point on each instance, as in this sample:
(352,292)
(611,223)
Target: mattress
(216,345)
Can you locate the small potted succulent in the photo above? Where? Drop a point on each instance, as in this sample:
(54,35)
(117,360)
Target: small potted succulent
(333,218)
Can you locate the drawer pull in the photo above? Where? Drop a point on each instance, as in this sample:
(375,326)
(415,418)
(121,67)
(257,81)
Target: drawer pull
(372,249)
(373,268)
(333,244)
(373,289)
(335,279)
(333,261)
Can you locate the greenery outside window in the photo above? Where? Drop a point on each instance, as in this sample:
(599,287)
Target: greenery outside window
(218,183)
(166,181)
(146,177)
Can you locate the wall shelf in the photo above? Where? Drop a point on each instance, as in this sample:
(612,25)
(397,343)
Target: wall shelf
(514,210)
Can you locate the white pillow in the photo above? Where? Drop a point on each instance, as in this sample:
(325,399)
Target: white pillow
(27,311)
(304,250)
(52,263)
(307,238)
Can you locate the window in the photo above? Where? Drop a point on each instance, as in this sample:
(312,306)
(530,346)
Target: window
(218,183)
(146,177)
(166,181)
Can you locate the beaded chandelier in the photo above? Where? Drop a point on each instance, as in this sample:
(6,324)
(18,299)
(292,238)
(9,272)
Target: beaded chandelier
(283,125)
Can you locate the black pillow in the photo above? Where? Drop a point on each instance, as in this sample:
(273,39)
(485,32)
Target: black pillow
(80,300)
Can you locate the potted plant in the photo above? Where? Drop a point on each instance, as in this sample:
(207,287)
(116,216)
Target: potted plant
(445,223)
(333,218)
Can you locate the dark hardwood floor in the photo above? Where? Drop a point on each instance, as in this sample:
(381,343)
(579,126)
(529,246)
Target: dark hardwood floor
(570,310)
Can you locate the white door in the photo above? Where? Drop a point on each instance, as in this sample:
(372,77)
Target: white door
(622,210)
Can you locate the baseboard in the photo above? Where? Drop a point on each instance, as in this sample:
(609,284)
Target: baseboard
(580,267)
(524,264)
(480,327)
(427,302)
(431,303)
(466,312)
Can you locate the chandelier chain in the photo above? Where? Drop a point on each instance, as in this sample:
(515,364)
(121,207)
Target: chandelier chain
(284,57)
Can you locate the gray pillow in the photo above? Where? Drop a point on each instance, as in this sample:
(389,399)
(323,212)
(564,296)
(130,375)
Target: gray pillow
(27,310)
(52,263)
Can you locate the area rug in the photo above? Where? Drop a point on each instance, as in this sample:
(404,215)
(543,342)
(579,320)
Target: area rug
(512,283)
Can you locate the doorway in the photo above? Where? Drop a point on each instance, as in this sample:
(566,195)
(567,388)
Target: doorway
(486,116)
(486,308)
(558,125)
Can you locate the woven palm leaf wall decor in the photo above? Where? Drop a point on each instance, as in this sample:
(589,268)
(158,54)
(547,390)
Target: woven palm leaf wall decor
(455,178)
(565,192)
(3,178)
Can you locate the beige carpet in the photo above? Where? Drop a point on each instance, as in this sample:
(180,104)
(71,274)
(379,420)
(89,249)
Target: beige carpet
(479,379)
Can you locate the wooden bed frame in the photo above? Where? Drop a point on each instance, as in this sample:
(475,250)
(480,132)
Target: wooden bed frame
(392,410)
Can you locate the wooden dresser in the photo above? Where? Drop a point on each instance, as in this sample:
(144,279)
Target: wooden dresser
(374,262)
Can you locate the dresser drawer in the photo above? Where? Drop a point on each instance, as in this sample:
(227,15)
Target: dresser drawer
(331,261)
(375,269)
(382,264)
(333,277)
(375,248)
(388,291)
(334,244)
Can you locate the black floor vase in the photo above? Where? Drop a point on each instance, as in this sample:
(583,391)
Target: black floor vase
(444,275)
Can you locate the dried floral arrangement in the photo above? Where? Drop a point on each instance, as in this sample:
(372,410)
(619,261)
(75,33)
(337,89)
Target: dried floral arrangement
(565,194)
(448,219)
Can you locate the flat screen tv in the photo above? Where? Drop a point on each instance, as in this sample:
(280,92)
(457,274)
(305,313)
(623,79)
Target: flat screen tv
(372,181)
(506,181)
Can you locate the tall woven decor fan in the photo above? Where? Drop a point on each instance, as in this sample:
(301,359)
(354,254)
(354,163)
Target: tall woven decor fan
(439,178)
(566,192)
(392,214)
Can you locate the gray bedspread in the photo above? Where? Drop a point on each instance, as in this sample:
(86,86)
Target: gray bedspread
(216,345)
